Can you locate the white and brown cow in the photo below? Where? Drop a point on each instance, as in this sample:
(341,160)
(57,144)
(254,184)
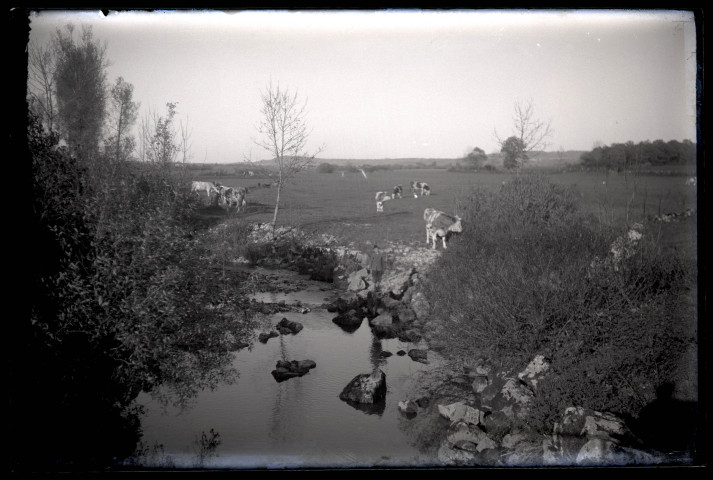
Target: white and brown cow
(440,224)
(380,198)
(209,188)
(398,191)
(420,186)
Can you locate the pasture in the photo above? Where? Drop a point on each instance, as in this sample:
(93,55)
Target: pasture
(344,206)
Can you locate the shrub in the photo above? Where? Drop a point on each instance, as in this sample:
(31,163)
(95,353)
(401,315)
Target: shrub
(325,168)
(519,281)
(125,298)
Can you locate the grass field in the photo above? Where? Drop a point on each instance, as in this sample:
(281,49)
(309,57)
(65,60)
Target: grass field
(345,207)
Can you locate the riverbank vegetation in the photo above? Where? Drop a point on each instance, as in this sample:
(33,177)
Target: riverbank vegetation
(532,274)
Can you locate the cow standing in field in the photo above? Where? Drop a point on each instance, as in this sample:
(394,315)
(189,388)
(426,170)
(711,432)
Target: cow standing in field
(209,188)
(420,186)
(440,224)
(380,198)
(398,191)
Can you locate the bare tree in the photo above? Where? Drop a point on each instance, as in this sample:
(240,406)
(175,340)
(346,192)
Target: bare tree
(284,134)
(531,132)
(40,83)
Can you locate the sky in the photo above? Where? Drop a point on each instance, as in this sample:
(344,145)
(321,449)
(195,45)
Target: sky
(404,83)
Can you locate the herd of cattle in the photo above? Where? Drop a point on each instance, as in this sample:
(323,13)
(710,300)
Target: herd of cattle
(226,197)
(438,224)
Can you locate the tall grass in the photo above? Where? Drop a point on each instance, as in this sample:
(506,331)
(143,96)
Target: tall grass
(531,274)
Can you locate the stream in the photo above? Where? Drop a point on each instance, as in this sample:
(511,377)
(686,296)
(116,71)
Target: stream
(300,422)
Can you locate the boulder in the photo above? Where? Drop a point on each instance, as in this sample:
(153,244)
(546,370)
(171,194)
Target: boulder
(284,369)
(410,336)
(480,383)
(356,281)
(408,408)
(264,337)
(287,327)
(348,319)
(420,305)
(418,355)
(365,388)
(460,412)
(383,326)
(423,402)
(535,370)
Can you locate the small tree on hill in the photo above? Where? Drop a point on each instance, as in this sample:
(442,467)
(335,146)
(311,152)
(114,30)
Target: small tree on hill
(284,134)
(515,154)
(476,158)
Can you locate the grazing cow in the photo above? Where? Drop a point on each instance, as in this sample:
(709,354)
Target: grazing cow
(207,187)
(440,224)
(422,186)
(398,191)
(380,198)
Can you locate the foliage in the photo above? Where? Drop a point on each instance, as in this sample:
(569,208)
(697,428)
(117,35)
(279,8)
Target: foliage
(326,168)
(531,134)
(476,158)
(125,298)
(122,116)
(79,80)
(624,156)
(515,152)
(522,280)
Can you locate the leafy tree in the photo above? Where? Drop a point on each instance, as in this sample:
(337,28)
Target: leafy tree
(158,137)
(476,158)
(122,116)
(79,78)
(284,134)
(515,152)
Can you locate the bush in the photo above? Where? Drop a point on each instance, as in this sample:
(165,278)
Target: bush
(126,297)
(519,281)
(325,168)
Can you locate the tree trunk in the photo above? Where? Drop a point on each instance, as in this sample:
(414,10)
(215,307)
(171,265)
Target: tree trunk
(277,204)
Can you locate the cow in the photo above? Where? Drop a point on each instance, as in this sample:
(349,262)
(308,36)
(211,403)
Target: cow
(207,187)
(422,186)
(691,181)
(380,198)
(440,224)
(398,191)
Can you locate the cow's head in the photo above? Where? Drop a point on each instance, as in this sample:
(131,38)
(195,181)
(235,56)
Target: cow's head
(457,226)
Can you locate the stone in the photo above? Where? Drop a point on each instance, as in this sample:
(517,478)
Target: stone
(285,369)
(420,305)
(418,355)
(423,402)
(286,327)
(264,337)
(365,388)
(348,319)
(408,407)
(409,336)
(535,370)
(480,383)
(460,412)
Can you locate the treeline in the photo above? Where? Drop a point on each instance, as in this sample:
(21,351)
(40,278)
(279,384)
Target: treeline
(326,167)
(625,156)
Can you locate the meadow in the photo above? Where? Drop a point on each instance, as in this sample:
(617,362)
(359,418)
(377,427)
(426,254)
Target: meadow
(344,206)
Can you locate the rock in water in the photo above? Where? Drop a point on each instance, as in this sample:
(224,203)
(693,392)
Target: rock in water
(366,388)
